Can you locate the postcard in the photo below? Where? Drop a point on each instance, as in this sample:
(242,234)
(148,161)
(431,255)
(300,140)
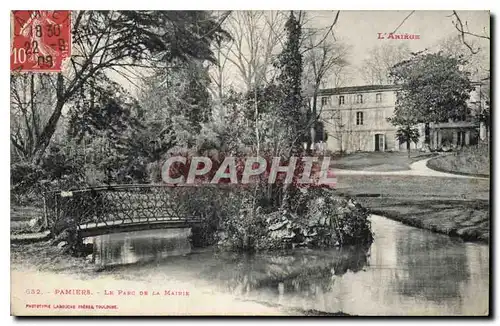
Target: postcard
(258,163)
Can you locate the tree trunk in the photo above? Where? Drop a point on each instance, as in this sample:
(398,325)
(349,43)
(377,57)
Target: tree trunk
(48,132)
(310,145)
(313,136)
(408,147)
(427,132)
(49,129)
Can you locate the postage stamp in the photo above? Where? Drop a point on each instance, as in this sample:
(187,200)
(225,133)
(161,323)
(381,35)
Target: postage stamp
(291,163)
(40,40)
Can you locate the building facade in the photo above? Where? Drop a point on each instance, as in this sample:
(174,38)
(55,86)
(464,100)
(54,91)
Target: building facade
(355,119)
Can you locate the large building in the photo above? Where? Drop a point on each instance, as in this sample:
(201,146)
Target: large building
(355,119)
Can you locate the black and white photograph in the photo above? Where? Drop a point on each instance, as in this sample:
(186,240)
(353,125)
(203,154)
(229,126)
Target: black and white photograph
(250,163)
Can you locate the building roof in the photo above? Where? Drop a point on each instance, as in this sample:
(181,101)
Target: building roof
(356,89)
(368,88)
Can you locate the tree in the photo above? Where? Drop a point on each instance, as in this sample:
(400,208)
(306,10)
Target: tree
(217,72)
(103,134)
(320,61)
(407,133)
(290,111)
(477,63)
(477,52)
(175,102)
(118,40)
(289,82)
(375,68)
(31,98)
(434,88)
(464,32)
(257,37)
(195,100)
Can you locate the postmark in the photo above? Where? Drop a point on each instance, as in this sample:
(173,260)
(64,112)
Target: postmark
(40,40)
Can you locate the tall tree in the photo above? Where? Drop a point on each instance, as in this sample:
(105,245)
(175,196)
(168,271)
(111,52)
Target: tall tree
(434,88)
(477,63)
(118,40)
(289,63)
(31,98)
(195,98)
(176,102)
(375,68)
(257,37)
(324,59)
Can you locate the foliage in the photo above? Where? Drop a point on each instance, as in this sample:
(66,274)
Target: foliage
(108,136)
(107,41)
(262,100)
(102,110)
(474,160)
(407,134)
(434,88)
(31,100)
(476,63)
(381,58)
(196,98)
(289,63)
(328,220)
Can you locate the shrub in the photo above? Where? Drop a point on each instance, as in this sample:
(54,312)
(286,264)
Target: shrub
(329,220)
(469,160)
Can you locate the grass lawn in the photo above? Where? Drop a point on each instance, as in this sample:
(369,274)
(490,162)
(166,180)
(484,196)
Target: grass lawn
(457,207)
(470,160)
(378,161)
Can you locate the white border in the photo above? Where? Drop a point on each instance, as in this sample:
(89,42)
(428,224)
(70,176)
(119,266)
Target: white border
(200,4)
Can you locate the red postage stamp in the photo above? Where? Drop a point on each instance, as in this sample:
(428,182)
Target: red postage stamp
(40,41)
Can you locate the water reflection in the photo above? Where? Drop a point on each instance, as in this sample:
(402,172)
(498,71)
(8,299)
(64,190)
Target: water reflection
(406,271)
(140,246)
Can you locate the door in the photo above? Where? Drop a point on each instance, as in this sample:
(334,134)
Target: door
(379,142)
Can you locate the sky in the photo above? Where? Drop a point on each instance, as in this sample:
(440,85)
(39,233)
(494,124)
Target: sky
(359,29)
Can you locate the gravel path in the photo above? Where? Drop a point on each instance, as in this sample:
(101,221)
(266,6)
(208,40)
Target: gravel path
(418,168)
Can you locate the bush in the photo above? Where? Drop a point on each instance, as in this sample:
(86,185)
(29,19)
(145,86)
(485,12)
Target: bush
(473,160)
(345,220)
(26,187)
(329,221)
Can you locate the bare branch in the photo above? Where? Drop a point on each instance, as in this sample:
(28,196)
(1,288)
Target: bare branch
(401,24)
(463,30)
(330,30)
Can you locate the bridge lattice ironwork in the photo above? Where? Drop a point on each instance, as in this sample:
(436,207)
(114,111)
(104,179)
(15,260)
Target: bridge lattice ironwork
(111,207)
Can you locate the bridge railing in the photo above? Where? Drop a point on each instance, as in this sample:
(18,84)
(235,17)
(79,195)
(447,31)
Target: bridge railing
(120,204)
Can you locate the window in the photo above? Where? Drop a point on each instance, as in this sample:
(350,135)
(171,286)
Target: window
(325,100)
(359,98)
(359,118)
(460,138)
(378,97)
(341,99)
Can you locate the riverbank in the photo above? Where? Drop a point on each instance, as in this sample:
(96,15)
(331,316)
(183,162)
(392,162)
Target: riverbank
(406,271)
(52,273)
(453,206)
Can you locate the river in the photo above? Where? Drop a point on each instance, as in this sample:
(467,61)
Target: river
(406,271)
